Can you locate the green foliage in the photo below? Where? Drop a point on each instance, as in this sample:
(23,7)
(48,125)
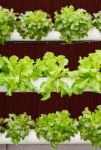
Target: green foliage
(90,126)
(97,20)
(93,61)
(56,128)
(11,78)
(18,74)
(53,67)
(2,128)
(34,25)
(7,24)
(54,85)
(79,83)
(88,74)
(15,74)
(73,24)
(26,73)
(18,127)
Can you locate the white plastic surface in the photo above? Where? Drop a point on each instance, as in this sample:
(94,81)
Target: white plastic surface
(32,139)
(93,35)
(52,36)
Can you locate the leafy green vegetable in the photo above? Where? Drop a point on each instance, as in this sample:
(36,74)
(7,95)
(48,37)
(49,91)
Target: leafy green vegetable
(18,127)
(97,20)
(34,25)
(93,61)
(10,74)
(73,24)
(90,126)
(51,65)
(84,80)
(47,88)
(55,128)
(54,85)
(88,74)
(80,84)
(26,73)
(7,24)
(16,74)
(2,128)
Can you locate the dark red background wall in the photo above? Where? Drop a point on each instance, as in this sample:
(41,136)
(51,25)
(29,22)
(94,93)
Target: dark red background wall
(51,5)
(30,102)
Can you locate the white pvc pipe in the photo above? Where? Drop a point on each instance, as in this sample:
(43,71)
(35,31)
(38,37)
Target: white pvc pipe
(93,35)
(32,139)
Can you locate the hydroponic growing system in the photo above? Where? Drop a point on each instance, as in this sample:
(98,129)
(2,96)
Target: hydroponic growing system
(50,72)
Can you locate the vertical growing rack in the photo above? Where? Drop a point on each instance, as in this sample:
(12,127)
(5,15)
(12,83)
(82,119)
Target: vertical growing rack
(30,102)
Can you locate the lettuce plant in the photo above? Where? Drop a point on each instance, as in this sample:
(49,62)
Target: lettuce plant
(88,74)
(9,74)
(54,85)
(16,74)
(97,20)
(53,67)
(26,74)
(34,25)
(18,127)
(7,24)
(90,68)
(72,24)
(90,126)
(56,127)
(79,82)
(2,127)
